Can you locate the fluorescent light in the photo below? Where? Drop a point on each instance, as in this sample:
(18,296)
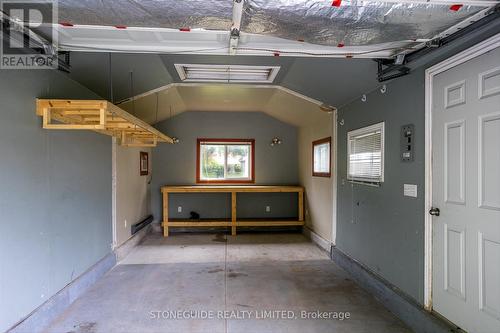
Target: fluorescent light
(226,73)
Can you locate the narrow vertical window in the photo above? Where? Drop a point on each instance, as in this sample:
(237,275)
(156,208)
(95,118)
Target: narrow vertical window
(321,157)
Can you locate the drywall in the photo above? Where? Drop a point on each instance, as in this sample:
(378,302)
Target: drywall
(118,76)
(319,190)
(332,80)
(133,199)
(378,226)
(176,164)
(55,202)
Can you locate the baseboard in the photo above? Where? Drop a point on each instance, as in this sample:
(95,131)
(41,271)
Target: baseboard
(156,226)
(317,239)
(409,311)
(40,318)
(124,249)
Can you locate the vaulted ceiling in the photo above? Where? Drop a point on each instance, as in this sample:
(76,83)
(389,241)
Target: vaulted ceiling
(277,102)
(119,76)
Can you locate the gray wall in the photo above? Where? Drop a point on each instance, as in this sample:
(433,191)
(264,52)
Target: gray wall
(55,198)
(378,225)
(176,164)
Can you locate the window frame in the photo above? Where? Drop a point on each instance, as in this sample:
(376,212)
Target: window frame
(365,131)
(251,142)
(317,143)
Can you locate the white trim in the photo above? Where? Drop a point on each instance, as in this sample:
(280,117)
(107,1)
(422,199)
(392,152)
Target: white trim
(333,163)
(296,94)
(472,52)
(317,239)
(114,214)
(251,86)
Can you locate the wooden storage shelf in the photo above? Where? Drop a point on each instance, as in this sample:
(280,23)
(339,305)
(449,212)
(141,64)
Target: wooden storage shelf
(239,223)
(233,222)
(100,116)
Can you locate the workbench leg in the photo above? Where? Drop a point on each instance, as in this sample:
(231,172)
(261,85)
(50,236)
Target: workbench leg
(301,206)
(165,214)
(233,213)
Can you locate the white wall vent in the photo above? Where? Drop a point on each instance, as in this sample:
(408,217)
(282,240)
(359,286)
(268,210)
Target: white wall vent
(226,73)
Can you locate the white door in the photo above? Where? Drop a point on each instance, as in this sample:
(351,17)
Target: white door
(466,190)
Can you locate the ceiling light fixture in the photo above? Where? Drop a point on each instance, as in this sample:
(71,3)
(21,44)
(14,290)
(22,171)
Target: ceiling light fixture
(276,141)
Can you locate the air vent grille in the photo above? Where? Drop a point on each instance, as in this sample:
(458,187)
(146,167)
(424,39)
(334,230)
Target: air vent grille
(226,73)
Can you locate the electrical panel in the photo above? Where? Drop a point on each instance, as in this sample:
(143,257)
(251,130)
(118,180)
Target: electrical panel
(407,143)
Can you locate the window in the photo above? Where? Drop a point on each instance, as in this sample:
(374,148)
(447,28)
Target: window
(365,151)
(226,73)
(225,161)
(321,157)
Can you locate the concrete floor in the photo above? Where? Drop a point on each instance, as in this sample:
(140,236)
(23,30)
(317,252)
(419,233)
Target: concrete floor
(243,275)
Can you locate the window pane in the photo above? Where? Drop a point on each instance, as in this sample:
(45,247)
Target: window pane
(238,161)
(212,161)
(366,154)
(322,158)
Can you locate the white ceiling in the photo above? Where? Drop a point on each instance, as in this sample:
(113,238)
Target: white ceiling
(275,101)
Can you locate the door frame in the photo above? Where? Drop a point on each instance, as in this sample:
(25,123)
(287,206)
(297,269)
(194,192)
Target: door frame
(334,168)
(470,53)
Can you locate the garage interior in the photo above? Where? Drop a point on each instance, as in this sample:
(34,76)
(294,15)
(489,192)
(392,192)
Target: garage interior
(250,166)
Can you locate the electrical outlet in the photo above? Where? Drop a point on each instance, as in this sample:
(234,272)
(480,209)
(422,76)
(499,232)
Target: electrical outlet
(268,209)
(179,209)
(125,223)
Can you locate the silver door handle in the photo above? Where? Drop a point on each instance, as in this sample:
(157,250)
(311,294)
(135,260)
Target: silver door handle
(434,211)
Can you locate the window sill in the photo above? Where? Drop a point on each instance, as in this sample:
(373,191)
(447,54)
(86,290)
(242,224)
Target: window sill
(225,182)
(360,182)
(322,174)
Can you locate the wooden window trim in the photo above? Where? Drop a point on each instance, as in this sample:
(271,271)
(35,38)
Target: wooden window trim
(225,181)
(318,142)
(143,156)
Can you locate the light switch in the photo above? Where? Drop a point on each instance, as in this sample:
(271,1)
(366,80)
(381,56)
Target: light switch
(407,142)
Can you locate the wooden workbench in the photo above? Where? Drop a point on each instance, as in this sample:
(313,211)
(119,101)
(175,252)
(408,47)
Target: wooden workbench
(234,222)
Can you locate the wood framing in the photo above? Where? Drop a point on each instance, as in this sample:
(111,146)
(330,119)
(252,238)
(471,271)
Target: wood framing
(233,222)
(250,142)
(100,116)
